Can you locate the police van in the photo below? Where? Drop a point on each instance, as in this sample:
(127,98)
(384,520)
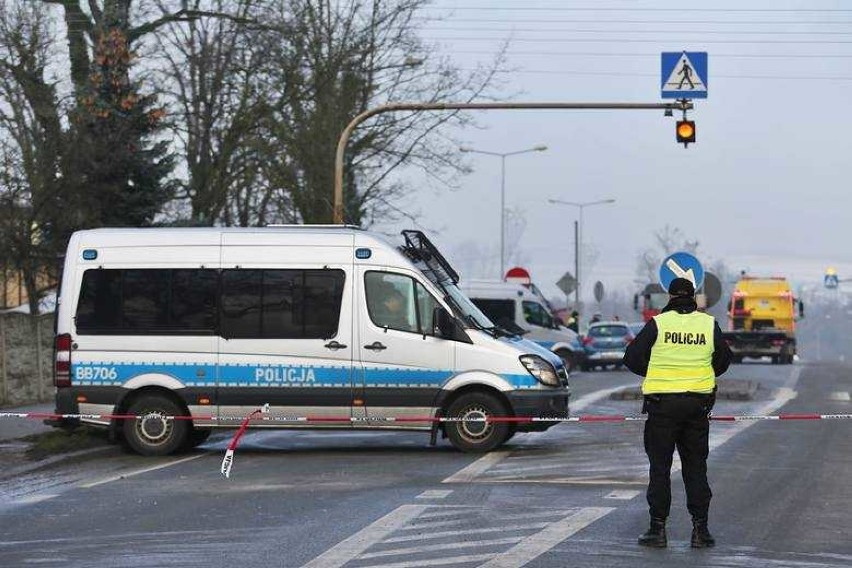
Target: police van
(515,306)
(330,325)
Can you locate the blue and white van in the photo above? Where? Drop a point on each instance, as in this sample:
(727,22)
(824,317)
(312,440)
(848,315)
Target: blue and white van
(330,324)
(518,307)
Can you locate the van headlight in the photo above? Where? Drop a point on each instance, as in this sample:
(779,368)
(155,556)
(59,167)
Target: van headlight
(541,370)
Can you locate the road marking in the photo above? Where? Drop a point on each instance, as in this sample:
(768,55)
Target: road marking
(362,540)
(478,467)
(442,546)
(450,512)
(491,459)
(565,480)
(140,471)
(534,546)
(435,494)
(441,534)
(515,469)
(841,396)
(433,524)
(622,494)
(434,562)
(784,395)
(34,499)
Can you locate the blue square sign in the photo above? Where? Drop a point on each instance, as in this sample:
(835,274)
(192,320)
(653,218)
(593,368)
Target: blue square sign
(684,75)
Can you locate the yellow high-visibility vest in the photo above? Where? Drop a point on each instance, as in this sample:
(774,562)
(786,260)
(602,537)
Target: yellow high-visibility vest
(682,356)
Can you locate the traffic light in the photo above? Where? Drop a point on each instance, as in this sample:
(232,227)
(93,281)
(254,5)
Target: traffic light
(685,131)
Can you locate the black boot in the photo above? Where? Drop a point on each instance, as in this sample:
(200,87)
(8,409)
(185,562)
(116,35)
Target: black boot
(655,536)
(701,537)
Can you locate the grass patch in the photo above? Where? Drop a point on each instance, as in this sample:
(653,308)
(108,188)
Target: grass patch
(61,441)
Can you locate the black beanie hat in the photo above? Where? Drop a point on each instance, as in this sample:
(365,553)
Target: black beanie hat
(681,287)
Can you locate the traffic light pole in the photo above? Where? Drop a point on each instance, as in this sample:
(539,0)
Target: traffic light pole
(339,216)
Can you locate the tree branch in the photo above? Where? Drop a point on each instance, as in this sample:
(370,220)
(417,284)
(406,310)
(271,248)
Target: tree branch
(181,16)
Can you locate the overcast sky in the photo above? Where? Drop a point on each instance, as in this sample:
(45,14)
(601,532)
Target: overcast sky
(766,187)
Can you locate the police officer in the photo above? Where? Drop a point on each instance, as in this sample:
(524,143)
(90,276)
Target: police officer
(680,353)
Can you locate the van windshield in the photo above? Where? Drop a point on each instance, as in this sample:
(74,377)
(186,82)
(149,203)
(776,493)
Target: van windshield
(468,309)
(426,257)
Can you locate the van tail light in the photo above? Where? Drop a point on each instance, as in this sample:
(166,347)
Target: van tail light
(588,340)
(62,361)
(778,342)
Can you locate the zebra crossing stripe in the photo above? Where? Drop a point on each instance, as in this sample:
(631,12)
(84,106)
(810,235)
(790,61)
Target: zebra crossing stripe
(535,545)
(358,543)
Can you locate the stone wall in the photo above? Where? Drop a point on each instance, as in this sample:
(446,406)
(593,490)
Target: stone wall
(26,358)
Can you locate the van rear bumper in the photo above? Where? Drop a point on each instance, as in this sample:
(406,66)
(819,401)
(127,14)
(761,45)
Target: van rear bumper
(539,404)
(65,404)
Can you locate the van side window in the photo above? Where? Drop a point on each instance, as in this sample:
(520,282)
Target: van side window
(281,304)
(399,302)
(536,314)
(143,301)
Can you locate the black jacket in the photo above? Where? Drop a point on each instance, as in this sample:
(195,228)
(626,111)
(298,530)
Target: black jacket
(638,353)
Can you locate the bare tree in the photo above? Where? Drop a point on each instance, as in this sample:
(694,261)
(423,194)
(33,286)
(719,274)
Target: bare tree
(30,137)
(213,68)
(668,240)
(330,61)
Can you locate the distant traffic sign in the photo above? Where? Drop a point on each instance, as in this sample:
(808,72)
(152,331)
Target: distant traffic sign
(712,289)
(599,291)
(567,283)
(681,265)
(831,279)
(518,275)
(683,75)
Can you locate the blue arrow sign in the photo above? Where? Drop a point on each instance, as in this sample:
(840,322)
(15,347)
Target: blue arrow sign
(683,75)
(681,265)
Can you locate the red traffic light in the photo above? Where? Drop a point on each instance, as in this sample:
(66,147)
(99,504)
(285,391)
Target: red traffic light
(685,131)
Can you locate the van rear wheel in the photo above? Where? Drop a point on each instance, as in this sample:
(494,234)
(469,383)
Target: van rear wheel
(152,433)
(472,433)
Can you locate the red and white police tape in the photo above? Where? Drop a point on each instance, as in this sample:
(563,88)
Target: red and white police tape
(262,415)
(404,419)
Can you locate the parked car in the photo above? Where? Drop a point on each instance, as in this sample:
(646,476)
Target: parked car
(636,327)
(605,343)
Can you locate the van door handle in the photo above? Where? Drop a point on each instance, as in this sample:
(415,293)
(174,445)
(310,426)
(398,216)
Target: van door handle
(334,346)
(376,346)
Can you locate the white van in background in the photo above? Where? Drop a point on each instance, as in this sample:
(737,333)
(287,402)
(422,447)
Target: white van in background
(517,308)
(333,325)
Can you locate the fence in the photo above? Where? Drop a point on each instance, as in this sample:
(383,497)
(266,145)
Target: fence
(26,351)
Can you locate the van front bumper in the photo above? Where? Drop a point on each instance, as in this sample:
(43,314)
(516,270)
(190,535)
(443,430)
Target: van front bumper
(539,404)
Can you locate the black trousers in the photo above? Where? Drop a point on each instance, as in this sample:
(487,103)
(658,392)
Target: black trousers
(678,421)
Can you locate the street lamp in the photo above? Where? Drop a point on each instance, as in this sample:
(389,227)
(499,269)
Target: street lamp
(579,243)
(503,156)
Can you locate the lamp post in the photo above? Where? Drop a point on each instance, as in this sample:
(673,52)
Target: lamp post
(577,262)
(503,156)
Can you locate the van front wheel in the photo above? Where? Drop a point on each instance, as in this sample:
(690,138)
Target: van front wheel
(472,433)
(152,433)
(567,358)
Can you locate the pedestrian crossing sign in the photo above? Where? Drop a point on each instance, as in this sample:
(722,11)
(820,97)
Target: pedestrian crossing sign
(684,75)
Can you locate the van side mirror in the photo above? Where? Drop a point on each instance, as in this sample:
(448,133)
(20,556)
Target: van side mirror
(447,327)
(801,309)
(635,302)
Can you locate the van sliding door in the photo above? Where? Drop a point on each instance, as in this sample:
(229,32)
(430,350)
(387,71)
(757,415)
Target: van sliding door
(286,340)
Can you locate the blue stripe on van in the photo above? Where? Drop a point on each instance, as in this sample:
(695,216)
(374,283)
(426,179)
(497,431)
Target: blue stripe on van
(109,373)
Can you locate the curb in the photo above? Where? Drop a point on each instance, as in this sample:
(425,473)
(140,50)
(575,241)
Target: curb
(729,389)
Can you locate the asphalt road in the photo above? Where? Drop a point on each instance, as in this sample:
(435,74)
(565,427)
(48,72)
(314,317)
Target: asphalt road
(573,496)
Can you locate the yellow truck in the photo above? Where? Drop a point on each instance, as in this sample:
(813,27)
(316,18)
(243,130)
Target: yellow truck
(762,318)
